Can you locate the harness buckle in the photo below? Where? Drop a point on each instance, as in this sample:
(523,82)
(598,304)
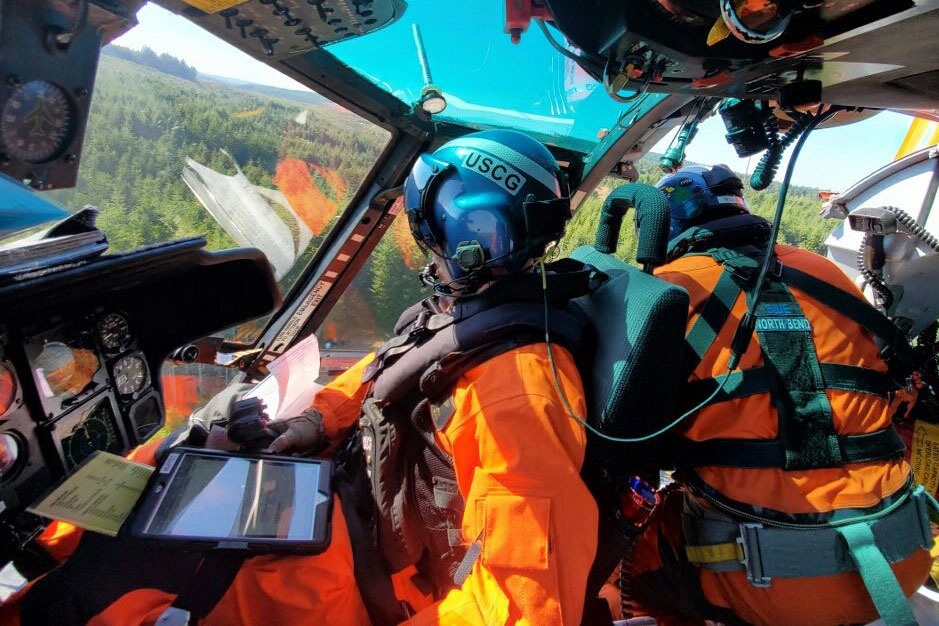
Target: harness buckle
(749,540)
(777,268)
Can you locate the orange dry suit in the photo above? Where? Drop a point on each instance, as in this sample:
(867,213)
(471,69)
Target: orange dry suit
(791,474)
(493,459)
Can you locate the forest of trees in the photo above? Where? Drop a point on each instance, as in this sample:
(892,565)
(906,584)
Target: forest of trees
(145,123)
(150,112)
(166,63)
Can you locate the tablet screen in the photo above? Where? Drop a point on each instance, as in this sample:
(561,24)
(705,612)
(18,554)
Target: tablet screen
(236,497)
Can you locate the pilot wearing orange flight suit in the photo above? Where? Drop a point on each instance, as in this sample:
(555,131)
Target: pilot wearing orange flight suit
(791,475)
(473,461)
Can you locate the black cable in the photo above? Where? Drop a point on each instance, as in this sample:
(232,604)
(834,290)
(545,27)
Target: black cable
(744,332)
(914,227)
(766,169)
(876,282)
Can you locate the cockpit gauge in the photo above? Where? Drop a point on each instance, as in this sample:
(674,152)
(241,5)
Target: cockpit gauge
(36,122)
(130,374)
(114,331)
(7,388)
(89,430)
(12,449)
(64,370)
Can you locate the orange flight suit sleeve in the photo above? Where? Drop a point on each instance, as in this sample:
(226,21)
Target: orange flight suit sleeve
(340,401)
(517,455)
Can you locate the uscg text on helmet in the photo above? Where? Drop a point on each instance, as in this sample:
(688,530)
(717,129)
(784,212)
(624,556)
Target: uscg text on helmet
(496,170)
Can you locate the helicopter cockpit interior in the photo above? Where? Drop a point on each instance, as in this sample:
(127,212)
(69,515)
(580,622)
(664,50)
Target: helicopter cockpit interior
(84,332)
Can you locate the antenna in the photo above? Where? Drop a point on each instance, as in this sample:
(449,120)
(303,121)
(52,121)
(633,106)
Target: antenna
(432,100)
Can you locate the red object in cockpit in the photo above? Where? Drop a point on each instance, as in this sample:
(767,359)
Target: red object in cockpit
(520,13)
(7,389)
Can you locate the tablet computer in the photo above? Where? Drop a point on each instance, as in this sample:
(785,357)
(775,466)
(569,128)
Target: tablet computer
(259,502)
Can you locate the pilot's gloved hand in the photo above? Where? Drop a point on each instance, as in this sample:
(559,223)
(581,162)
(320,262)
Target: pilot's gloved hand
(207,425)
(303,433)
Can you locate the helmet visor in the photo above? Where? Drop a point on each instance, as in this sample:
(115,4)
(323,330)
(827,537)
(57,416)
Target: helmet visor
(424,179)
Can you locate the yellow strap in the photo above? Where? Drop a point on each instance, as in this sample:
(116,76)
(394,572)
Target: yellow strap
(934,570)
(716,553)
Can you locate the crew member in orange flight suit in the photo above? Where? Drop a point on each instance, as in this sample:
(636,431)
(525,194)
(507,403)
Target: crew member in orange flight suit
(732,472)
(513,538)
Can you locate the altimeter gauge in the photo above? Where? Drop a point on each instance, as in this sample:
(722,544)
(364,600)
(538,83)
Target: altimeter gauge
(36,122)
(130,374)
(114,331)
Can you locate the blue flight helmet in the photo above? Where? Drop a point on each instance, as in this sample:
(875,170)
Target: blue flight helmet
(485,204)
(698,194)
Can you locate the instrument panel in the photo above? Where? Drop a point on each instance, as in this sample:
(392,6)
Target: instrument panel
(70,387)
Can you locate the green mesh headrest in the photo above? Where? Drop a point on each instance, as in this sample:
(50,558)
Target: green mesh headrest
(640,324)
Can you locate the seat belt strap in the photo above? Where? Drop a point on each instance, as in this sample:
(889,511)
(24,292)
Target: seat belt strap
(806,425)
(711,320)
(755,380)
(879,445)
(475,550)
(879,579)
(850,306)
(715,553)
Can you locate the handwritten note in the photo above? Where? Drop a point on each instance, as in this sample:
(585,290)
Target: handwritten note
(99,495)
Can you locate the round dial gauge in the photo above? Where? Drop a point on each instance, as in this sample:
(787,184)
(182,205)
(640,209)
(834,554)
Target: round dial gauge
(94,431)
(36,121)
(7,389)
(114,331)
(10,449)
(130,374)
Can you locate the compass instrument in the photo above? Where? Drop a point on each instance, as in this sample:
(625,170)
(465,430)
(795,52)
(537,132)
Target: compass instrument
(45,89)
(36,122)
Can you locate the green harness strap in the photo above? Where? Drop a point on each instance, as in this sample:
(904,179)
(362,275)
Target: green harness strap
(875,571)
(714,314)
(791,374)
(753,381)
(882,585)
(796,384)
(850,306)
(797,388)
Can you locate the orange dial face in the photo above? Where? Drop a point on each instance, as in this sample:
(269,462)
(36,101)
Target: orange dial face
(7,388)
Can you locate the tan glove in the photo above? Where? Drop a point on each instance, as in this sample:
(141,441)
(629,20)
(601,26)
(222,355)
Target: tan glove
(303,433)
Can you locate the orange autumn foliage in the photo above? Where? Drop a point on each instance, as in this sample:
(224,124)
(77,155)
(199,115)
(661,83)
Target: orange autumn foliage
(334,180)
(314,207)
(401,232)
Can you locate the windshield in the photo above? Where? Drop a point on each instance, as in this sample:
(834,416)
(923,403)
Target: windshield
(486,79)
(189,136)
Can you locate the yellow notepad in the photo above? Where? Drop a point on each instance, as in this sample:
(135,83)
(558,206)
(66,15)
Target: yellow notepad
(99,495)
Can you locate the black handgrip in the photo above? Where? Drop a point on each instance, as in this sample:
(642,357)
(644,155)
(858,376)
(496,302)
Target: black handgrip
(652,220)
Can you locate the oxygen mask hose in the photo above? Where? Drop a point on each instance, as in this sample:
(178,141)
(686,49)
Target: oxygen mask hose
(744,332)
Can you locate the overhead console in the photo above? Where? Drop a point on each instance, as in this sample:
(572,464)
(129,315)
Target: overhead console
(276,29)
(869,53)
(81,347)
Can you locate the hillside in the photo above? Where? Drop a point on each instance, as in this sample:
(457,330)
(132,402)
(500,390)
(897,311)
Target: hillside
(145,123)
